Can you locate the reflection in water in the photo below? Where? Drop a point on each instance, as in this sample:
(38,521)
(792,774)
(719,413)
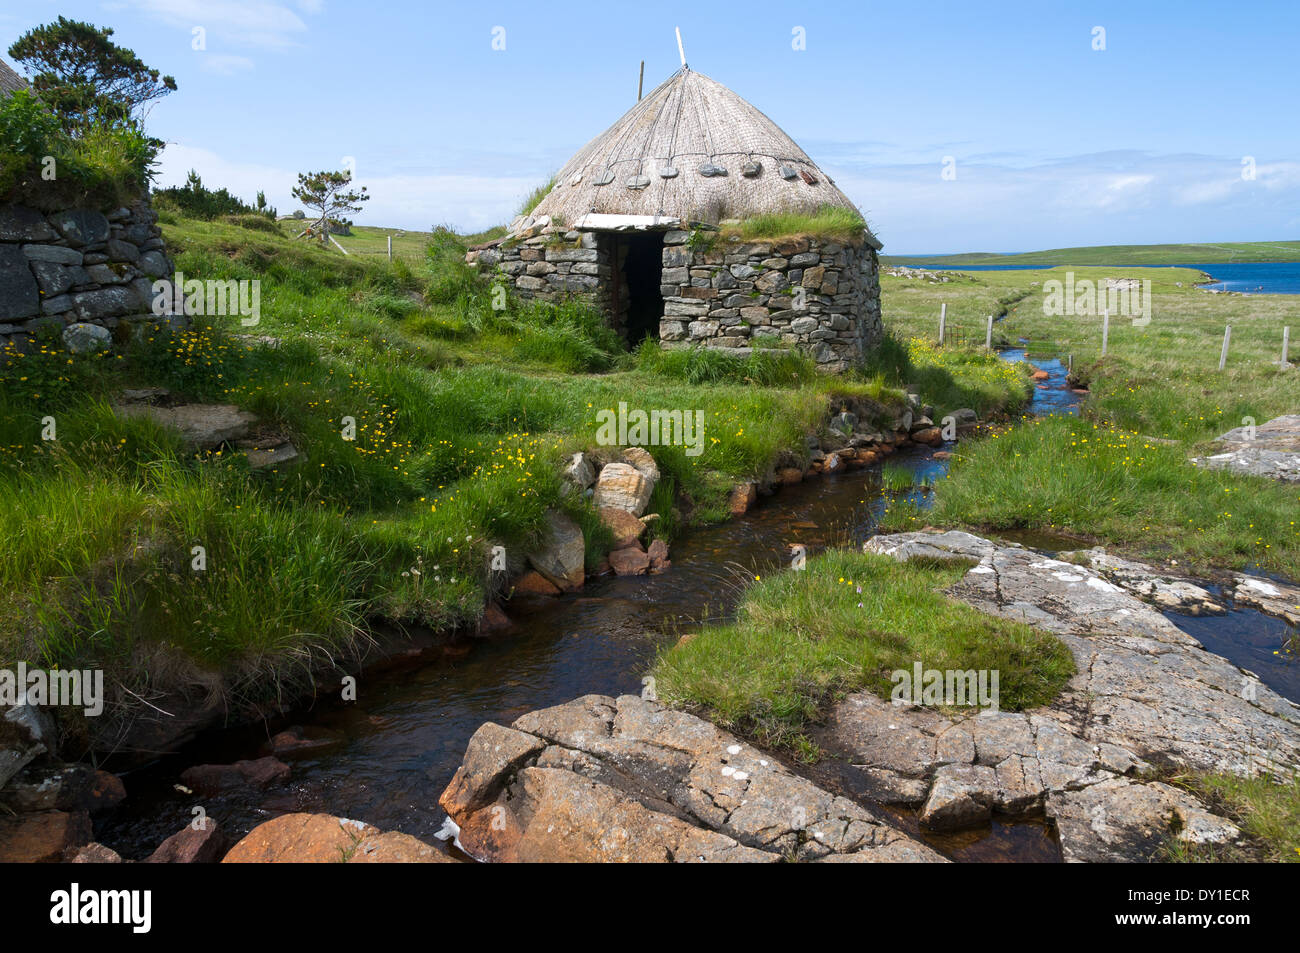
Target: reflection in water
(1256,642)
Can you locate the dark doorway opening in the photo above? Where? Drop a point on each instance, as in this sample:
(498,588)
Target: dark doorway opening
(642,272)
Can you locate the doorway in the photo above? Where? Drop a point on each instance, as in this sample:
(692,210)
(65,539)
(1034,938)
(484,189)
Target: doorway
(642,274)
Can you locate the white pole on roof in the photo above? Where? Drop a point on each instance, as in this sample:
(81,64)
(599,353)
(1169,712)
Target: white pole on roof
(680,52)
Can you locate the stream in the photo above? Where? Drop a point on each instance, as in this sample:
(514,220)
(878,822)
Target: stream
(396,747)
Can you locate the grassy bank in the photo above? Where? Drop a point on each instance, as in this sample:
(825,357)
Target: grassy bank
(463,417)
(1061,474)
(802,638)
(1177,254)
(1155,400)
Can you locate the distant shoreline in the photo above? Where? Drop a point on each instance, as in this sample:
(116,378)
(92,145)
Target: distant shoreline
(1116,255)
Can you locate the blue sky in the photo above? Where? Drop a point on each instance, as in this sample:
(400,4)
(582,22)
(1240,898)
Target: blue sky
(1054,143)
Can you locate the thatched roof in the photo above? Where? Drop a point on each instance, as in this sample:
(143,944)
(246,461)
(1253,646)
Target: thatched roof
(731,161)
(10,82)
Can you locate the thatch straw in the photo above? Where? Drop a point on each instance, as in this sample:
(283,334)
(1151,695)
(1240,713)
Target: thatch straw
(688,123)
(10,82)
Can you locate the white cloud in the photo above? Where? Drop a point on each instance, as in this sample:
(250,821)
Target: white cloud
(257,23)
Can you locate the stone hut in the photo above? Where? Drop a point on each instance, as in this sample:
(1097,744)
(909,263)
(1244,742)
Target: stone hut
(646,222)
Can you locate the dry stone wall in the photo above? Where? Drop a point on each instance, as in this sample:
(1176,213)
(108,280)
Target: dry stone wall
(77,266)
(552,264)
(820,296)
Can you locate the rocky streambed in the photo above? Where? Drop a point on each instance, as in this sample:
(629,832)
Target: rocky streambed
(499,744)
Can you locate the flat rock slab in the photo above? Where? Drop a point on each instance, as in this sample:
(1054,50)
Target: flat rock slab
(1269,595)
(1146,696)
(1153,585)
(1141,682)
(201,426)
(1255,461)
(602,779)
(1271,450)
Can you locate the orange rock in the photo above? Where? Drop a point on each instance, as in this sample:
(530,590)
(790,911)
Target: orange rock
(42,837)
(396,848)
(931,436)
(625,527)
(1040,375)
(324,839)
(191,846)
(630,560)
(212,779)
(533,583)
(789,476)
(106,793)
(743,496)
(494,619)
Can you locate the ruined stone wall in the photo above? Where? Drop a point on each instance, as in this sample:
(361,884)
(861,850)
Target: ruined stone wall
(820,296)
(77,266)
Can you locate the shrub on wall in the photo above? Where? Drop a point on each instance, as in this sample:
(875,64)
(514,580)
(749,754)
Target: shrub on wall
(44,166)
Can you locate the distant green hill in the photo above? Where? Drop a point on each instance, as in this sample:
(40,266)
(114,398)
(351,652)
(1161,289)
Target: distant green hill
(1117,255)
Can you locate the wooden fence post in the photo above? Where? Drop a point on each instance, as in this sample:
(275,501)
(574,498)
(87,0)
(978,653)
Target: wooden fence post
(988,335)
(1105,331)
(390,247)
(1286,346)
(1223,355)
(943,318)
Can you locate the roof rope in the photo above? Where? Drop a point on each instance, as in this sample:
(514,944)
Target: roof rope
(640,162)
(672,142)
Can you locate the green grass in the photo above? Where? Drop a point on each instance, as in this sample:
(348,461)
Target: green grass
(1266,809)
(370,242)
(1086,479)
(801,638)
(951,378)
(1178,254)
(700,365)
(829,221)
(463,416)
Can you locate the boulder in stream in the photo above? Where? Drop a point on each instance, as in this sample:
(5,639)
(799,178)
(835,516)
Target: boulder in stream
(561,557)
(213,779)
(602,779)
(192,845)
(624,487)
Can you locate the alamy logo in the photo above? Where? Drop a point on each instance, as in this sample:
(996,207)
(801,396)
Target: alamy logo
(658,428)
(211,298)
(74,906)
(950,687)
(67,688)
(1122,297)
